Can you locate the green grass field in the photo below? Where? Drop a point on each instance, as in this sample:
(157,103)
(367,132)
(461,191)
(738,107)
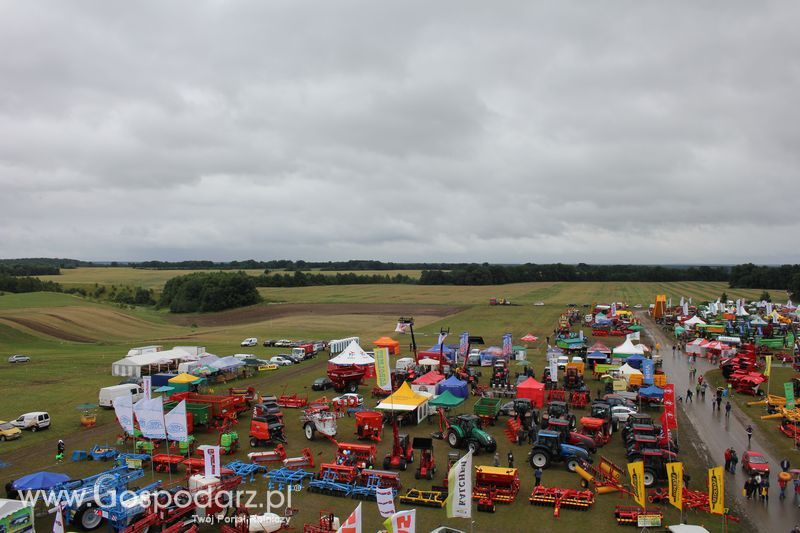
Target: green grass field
(65,373)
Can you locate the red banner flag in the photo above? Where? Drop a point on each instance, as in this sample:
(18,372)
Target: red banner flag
(668,418)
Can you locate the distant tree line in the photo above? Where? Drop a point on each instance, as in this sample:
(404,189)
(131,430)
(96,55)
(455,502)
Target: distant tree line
(305,279)
(209,291)
(750,276)
(18,269)
(10,283)
(487,274)
(287,264)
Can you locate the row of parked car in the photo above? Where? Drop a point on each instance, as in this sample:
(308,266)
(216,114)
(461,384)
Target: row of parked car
(284,343)
(32,421)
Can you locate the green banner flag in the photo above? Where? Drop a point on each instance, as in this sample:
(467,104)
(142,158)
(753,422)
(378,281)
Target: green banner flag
(789,389)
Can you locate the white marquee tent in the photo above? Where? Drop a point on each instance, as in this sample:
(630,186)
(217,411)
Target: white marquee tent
(132,365)
(352,355)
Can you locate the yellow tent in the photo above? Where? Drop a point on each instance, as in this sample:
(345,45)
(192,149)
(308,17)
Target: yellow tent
(403,399)
(184,378)
(660,308)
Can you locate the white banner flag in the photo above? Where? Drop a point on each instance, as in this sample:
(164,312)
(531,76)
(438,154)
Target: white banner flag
(402,522)
(385,498)
(353,522)
(150,414)
(177,428)
(211,461)
(58,524)
(442,337)
(613,309)
(685,309)
(553,370)
(147,387)
(635,336)
(459,483)
(123,408)
(402,327)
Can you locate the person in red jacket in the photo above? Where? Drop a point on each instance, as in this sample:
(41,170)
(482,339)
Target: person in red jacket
(727,459)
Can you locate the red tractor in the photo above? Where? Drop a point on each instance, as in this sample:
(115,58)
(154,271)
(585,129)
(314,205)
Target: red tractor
(427,463)
(402,451)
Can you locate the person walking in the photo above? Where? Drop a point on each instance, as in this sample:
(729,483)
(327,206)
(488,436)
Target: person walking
(796,483)
(728,408)
(703,388)
(785,465)
(700,380)
(728,460)
(60,451)
(537,474)
(734,461)
(697,391)
(749,431)
(748,487)
(511,459)
(718,402)
(765,490)
(532,434)
(688,395)
(782,482)
(496,458)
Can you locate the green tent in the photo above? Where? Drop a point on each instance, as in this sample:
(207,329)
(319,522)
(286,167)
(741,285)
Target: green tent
(635,327)
(448,399)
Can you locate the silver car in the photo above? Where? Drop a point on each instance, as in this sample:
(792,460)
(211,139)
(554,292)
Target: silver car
(19,359)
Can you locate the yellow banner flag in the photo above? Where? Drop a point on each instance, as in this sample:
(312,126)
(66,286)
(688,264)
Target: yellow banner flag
(768,366)
(716,490)
(383,374)
(636,473)
(675,478)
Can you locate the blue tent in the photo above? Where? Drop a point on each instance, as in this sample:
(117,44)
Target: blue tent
(597,355)
(651,392)
(635,361)
(455,386)
(40,481)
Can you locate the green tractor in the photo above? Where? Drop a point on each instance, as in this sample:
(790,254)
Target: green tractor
(465,432)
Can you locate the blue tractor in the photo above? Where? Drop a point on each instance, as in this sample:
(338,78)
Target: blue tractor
(550,448)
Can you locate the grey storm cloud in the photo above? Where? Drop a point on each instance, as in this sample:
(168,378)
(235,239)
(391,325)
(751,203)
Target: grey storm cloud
(635,132)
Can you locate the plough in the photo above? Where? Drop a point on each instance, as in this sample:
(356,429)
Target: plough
(370,480)
(246,470)
(292,401)
(302,461)
(287,477)
(578,399)
(606,476)
(249,394)
(425,498)
(275,456)
(558,497)
(163,462)
(692,499)
(513,426)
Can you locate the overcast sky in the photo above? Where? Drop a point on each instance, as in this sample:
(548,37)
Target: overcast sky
(638,132)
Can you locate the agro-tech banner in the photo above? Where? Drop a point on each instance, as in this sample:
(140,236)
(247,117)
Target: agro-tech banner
(788,389)
(716,490)
(675,480)
(176,423)
(459,482)
(402,522)
(150,414)
(353,522)
(123,408)
(384,497)
(636,473)
(383,375)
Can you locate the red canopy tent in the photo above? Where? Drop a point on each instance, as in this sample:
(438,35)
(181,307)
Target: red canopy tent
(529,338)
(532,390)
(431,378)
(599,347)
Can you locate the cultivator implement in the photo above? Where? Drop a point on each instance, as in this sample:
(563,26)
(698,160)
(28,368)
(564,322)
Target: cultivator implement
(558,497)
(246,470)
(333,483)
(425,498)
(512,430)
(287,477)
(578,399)
(556,395)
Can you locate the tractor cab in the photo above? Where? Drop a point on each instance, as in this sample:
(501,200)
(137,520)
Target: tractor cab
(557,409)
(549,440)
(655,464)
(499,375)
(636,419)
(601,410)
(427,464)
(562,426)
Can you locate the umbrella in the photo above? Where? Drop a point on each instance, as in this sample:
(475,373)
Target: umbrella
(635,327)
(606,377)
(86,406)
(523,362)
(164,388)
(529,338)
(40,481)
(428,361)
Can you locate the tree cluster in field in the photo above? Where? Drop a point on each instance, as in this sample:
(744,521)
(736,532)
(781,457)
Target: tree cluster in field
(750,276)
(17,269)
(487,274)
(310,279)
(287,264)
(39,266)
(209,291)
(26,284)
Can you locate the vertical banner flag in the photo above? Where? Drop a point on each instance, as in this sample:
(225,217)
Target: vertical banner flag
(459,483)
(463,344)
(175,420)
(788,389)
(682,301)
(716,490)
(669,303)
(382,373)
(668,420)
(675,478)
(402,522)
(613,309)
(147,387)
(58,524)
(636,473)
(635,336)
(768,367)
(123,408)
(685,309)
(150,414)
(580,334)
(442,337)
(507,344)
(353,522)
(648,369)
(384,496)
(553,369)
(211,461)
(402,327)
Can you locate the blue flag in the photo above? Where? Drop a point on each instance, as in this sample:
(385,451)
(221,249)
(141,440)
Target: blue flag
(648,369)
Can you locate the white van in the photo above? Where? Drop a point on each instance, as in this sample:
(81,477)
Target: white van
(108,394)
(33,421)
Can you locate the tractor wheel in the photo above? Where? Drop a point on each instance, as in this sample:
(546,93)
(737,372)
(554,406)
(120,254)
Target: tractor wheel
(34,429)
(416,474)
(584,484)
(88,518)
(352,386)
(387,462)
(649,478)
(453,439)
(473,446)
(411,459)
(572,422)
(309,430)
(573,464)
(403,464)
(430,474)
(540,459)
(491,447)
(253,442)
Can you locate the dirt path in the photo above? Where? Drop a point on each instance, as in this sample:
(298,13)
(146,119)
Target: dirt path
(259,313)
(717,434)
